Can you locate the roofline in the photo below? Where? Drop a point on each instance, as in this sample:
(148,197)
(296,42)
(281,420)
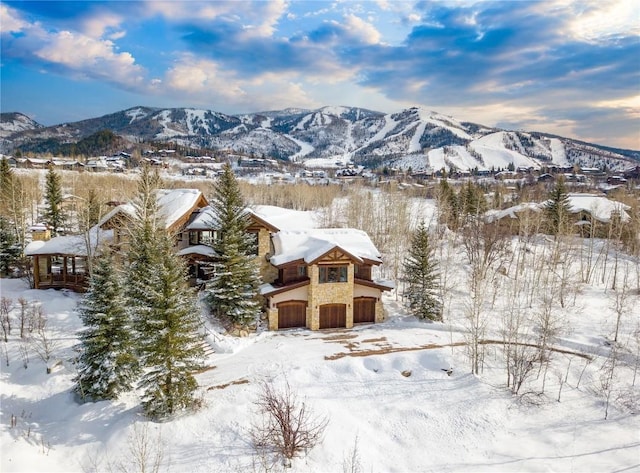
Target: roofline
(271,227)
(353,257)
(365,282)
(294,262)
(181,221)
(290,287)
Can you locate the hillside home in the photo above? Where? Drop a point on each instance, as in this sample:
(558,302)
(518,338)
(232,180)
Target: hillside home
(320,278)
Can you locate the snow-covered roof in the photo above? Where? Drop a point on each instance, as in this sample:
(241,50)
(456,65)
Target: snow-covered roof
(203,250)
(201,220)
(175,203)
(70,244)
(172,203)
(597,205)
(310,244)
(511,212)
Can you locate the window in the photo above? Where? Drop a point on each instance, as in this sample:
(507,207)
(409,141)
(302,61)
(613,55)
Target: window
(363,271)
(302,271)
(254,243)
(330,274)
(206,237)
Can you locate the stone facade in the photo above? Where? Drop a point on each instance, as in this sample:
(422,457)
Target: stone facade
(329,293)
(268,272)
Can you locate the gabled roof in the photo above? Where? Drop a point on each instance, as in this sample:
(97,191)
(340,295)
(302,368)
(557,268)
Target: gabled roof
(204,220)
(175,207)
(311,244)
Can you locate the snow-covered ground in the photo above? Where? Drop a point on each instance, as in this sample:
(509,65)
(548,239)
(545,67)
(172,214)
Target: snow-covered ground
(384,388)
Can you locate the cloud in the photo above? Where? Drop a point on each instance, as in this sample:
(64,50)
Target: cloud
(104,23)
(91,57)
(207,83)
(254,18)
(11,23)
(69,52)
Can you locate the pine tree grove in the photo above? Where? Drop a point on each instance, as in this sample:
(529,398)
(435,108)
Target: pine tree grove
(421,277)
(232,293)
(107,364)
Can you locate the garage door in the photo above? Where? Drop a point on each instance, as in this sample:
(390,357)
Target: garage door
(333,316)
(292,314)
(364,310)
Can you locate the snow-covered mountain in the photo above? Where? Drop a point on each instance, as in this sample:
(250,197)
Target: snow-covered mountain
(14,122)
(414,137)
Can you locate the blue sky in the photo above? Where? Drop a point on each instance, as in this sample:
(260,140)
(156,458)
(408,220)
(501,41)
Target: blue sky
(559,66)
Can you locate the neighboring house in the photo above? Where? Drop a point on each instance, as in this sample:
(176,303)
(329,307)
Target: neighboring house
(324,280)
(315,278)
(590,213)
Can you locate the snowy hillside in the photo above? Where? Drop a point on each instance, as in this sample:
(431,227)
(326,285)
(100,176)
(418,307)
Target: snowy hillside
(397,394)
(11,123)
(414,137)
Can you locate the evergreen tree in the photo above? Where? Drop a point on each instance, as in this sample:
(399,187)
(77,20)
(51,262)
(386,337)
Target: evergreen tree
(556,209)
(473,201)
(422,277)
(163,309)
(448,205)
(12,204)
(6,175)
(9,247)
(107,364)
(53,213)
(232,293)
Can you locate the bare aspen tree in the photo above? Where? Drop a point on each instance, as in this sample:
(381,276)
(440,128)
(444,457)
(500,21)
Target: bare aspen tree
(352,463)
(607,376)
(41,339)
(6,306)
(636,364)
(562,379)
(621,299)
(88,215)
(485,245)
(446,250)
(286,425)
(520,357)
(146,453)
(23,315)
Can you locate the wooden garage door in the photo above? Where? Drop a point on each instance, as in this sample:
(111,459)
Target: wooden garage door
(333,316)
(364,310)
(292,314)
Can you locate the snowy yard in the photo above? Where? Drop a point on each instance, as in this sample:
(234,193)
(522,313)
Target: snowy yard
(385,389)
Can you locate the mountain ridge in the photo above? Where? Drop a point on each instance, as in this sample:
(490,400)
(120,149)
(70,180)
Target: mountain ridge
(414,137)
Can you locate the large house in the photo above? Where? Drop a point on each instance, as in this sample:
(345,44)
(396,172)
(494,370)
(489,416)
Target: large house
(314,278)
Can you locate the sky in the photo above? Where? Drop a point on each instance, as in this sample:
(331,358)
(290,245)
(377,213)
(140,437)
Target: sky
(558,66)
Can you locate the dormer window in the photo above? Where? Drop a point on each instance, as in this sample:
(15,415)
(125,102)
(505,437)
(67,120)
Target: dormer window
(332,274)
